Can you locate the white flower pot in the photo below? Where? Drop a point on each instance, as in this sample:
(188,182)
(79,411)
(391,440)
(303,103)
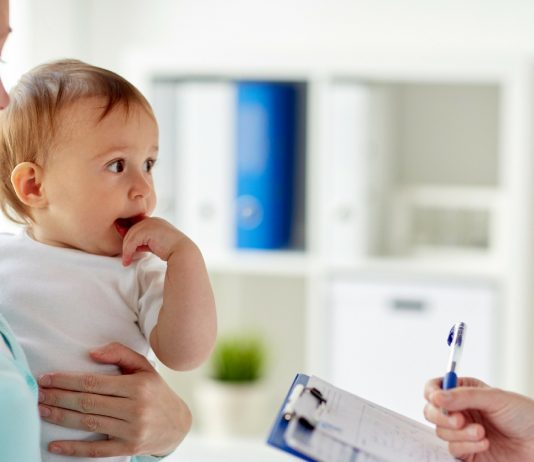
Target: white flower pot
(231,409)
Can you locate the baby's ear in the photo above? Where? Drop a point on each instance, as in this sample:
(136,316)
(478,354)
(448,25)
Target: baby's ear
(26,179)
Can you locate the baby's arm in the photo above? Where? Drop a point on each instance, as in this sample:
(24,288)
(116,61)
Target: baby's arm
(187,324)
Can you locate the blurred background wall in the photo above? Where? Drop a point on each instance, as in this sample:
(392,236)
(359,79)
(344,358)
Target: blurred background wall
(102,31)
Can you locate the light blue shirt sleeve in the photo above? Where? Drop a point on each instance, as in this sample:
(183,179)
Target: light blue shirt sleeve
(19,415)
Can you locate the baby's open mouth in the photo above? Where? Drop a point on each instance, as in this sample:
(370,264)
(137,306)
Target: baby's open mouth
(122,225)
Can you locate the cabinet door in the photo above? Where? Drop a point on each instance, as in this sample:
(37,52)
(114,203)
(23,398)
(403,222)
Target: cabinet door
(388,338)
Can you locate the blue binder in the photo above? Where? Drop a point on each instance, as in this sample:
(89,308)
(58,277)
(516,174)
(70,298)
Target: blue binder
(266,152)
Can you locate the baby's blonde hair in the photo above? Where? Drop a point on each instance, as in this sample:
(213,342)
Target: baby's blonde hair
(29,123)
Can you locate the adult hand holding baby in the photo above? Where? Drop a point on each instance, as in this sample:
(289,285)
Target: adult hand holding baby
(138,410)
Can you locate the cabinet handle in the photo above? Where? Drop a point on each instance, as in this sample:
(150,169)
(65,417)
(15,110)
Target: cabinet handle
(410,305)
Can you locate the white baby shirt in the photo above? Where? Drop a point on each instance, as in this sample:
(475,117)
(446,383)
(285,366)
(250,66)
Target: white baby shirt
(61,303)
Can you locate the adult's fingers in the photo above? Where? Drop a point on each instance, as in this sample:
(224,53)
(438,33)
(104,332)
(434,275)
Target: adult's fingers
(431,386)
(101,384)
(88,403)
(434,385)
(88,422)
(128,360)
(465,449)
(103,448)
(439,418)
(463,398)
(471,432)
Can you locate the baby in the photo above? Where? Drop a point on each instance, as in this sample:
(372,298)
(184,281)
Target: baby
(77,148)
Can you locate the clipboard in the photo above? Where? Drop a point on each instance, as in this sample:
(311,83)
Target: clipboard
(319,422)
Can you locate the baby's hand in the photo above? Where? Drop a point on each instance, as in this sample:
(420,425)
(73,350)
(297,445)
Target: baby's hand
(152,235)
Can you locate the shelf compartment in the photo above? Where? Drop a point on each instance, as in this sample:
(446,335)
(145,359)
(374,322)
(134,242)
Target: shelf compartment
(409,169)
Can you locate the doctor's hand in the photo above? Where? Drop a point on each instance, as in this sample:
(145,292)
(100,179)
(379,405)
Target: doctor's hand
(484,424)
(137,410)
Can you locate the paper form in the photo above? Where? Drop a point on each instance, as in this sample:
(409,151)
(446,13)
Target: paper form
(351,429)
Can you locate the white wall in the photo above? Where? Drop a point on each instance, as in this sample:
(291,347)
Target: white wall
(101,31)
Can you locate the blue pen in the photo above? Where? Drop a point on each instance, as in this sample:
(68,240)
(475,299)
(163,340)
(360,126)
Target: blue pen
(456,342)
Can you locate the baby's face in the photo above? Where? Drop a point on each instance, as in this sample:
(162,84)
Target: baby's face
(98,173)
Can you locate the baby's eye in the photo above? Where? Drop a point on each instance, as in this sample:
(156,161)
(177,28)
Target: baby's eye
(117,166)
(149,164)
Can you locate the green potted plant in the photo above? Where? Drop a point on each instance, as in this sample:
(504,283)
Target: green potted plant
(238,359)
(233,400)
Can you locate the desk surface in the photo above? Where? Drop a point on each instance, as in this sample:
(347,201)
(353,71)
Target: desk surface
(197,448)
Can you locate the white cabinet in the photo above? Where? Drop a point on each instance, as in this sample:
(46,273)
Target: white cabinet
(388,337)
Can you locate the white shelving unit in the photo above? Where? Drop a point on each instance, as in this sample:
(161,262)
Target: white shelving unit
(449,148)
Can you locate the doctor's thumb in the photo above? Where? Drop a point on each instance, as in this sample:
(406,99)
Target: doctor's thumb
(128,360)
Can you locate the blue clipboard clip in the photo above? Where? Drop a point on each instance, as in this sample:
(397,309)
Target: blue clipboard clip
(303,406)
(299,419)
